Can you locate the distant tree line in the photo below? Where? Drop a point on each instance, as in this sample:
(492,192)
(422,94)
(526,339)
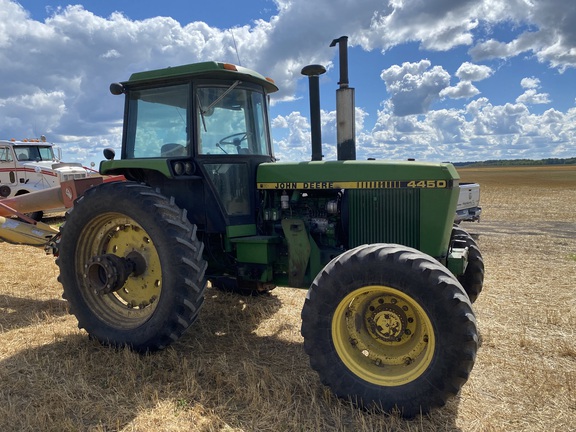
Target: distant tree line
(517,162)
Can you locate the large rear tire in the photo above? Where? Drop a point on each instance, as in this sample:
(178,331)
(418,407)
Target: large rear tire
(389,328)
(131,266)
(473,278)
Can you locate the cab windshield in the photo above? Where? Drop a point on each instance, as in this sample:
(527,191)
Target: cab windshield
(231,121)
(34,153)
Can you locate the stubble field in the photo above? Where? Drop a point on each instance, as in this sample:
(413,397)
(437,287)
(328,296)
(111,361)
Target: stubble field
(241,367)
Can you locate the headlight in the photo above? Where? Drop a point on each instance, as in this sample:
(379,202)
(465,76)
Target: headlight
(179,168)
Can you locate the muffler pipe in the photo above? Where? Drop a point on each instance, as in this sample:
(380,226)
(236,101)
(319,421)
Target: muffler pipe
(313,72)
(345,106)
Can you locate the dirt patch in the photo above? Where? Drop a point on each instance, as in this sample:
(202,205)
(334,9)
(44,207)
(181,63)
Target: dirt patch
(555,229)
(241,366)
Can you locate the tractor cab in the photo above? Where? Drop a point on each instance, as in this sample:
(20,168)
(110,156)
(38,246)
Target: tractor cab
(198,132)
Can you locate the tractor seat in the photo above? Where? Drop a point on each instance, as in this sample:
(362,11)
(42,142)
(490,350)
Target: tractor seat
(172,150)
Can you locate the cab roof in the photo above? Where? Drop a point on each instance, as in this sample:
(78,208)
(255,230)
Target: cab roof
(203,70)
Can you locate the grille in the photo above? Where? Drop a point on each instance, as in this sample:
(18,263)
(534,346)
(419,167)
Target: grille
(384,216)
(66,177)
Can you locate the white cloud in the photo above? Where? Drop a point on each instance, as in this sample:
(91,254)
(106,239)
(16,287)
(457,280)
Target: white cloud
(551,37)
(473,72)
(293,135)
(55,73)
(531,95)
(414,86)
(530,83)
(436,25)
(478,132)
(464,89)
(294,143)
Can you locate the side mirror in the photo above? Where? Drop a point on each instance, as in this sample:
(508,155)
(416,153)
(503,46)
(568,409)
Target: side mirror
(116,89)
(109,153)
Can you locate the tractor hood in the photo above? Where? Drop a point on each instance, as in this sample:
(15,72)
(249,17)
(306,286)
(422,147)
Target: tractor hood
(354,174)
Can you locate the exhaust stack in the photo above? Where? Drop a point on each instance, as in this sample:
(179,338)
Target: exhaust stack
(313,72)
(345,110)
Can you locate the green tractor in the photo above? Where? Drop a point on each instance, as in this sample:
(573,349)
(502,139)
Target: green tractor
(387,321)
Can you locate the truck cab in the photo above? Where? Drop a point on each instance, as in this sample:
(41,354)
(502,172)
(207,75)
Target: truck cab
(31,165)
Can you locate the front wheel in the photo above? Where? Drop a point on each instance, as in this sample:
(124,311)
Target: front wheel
(389,328)
(473,278)
(131,266)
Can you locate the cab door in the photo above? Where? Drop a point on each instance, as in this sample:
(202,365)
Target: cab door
(232,140)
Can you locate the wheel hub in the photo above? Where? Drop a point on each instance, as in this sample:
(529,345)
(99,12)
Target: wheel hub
(388,323)
(108,273)
(387,320)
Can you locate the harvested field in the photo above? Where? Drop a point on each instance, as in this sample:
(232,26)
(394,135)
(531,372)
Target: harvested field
(241,367)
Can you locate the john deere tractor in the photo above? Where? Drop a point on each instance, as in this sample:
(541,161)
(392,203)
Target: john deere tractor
(387,321)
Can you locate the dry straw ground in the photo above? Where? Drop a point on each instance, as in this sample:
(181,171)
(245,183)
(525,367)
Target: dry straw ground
(241,367)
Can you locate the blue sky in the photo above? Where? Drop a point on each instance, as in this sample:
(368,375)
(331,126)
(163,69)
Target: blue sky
(457,80)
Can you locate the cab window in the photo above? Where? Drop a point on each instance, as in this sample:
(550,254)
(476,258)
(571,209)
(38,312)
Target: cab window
(5,154)
(157,122)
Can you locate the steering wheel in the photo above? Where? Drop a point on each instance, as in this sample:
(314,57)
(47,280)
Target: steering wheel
(234,139)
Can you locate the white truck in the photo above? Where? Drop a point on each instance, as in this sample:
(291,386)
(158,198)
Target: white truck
(468,208)
(31,165)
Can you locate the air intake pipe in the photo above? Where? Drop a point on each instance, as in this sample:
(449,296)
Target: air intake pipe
(345,110)
(313,72)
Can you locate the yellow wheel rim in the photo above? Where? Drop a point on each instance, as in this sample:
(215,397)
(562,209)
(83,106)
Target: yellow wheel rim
(383,335)
(136,300)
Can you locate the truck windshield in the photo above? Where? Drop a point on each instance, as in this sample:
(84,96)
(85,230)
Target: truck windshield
(157,122)
(34,153)
(231,120)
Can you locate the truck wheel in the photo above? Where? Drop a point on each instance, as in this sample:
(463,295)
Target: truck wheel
(37,215)
(131,266)
(473,278)
(389,328)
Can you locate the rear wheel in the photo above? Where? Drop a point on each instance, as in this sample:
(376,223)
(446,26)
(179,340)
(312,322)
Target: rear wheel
(131,266)
(473,278)
(389,328)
